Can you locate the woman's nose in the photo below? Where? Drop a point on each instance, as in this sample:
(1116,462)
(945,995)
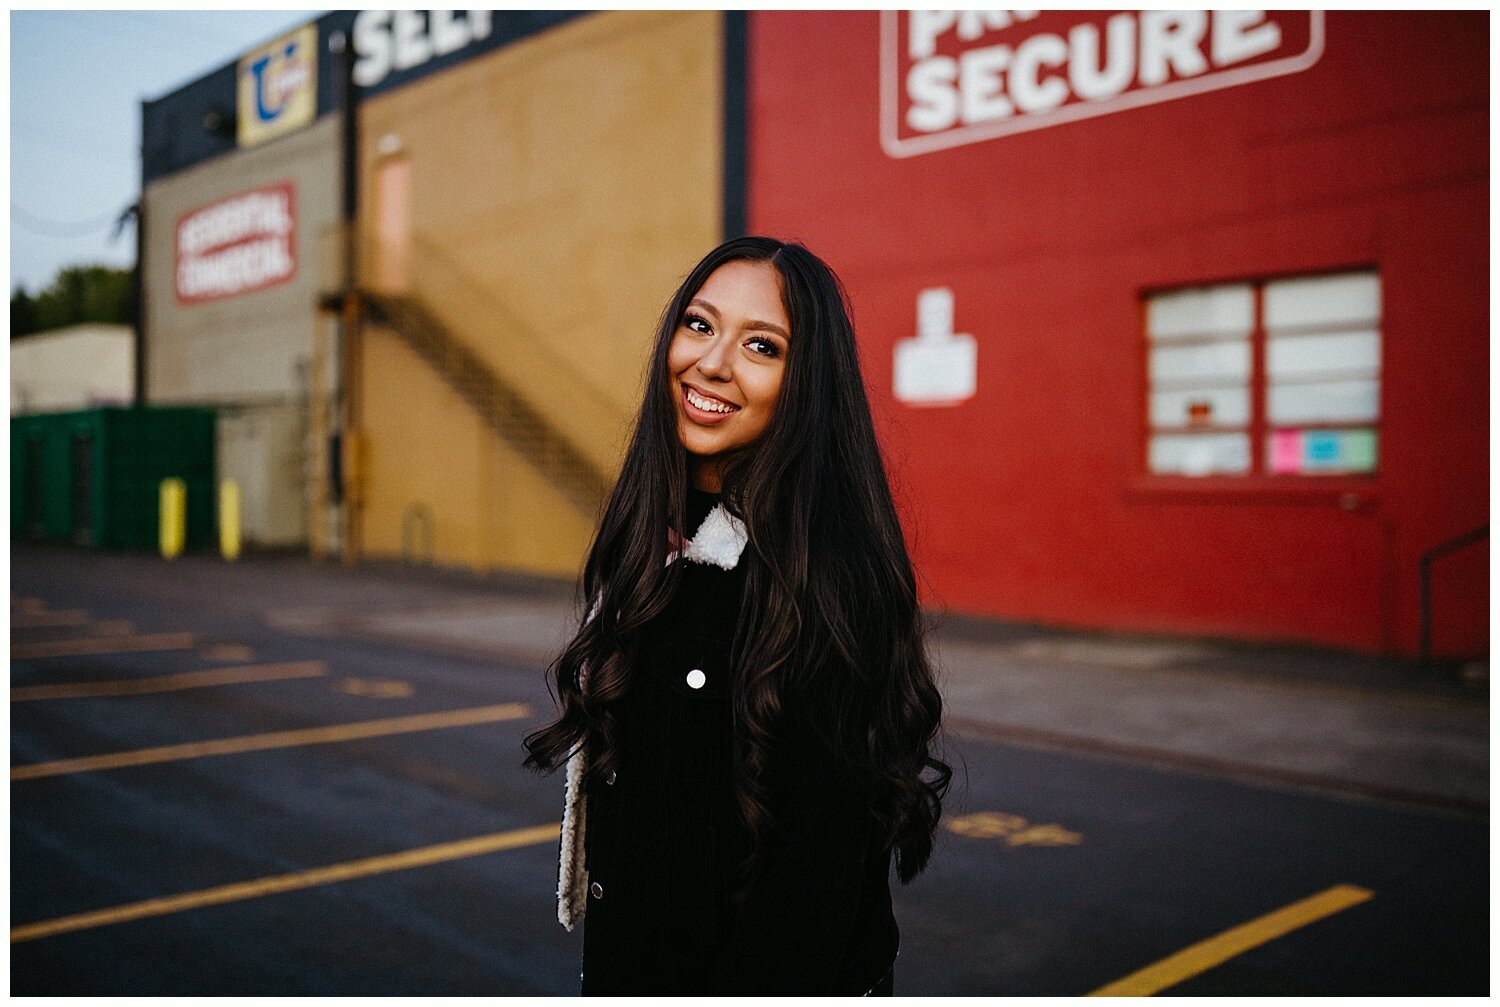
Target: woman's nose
(717,360)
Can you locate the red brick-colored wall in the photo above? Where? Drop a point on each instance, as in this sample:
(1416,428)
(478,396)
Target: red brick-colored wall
(1031,499)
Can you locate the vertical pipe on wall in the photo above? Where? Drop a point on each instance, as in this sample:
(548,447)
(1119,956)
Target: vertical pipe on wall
(317,444)
(735,122)
(350,315)
(349,95)
(139,281)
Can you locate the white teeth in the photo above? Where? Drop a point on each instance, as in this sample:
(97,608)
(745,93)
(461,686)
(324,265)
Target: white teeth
(708,405)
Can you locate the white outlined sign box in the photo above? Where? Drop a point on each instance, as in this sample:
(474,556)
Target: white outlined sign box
(938,367)
(949,78)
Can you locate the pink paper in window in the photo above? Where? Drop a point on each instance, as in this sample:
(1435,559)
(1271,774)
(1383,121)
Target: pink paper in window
(1286,451)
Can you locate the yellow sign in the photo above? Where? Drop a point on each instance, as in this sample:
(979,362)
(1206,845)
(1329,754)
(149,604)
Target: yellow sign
(278,87)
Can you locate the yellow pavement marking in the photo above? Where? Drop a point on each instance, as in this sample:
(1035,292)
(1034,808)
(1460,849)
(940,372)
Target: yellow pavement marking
(376,688)
(40,620)
(170,683)
(422,856)
(226,652)
(1216,950)
(1014,829)
(102,645)
(275,739)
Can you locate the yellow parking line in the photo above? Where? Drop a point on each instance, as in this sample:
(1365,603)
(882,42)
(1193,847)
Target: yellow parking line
(1236,941)
(275,884)
(102,645)
(226,652)
(41,620)
(170,683)
(275,739)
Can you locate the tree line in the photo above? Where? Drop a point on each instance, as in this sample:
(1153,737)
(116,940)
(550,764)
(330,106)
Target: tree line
(79,295)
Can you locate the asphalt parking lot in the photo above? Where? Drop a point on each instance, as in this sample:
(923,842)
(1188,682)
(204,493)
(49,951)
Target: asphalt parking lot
(228,780)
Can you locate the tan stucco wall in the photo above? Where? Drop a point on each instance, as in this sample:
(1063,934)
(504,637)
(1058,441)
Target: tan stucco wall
(253,347)
(560,188)
(72,368)
(486,506)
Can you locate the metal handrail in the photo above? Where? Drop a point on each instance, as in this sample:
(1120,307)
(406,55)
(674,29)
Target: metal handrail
(437,273)
(500,404)
(435,259)
(1429,557)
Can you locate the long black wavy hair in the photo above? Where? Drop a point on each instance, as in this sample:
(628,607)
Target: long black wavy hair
(830,641)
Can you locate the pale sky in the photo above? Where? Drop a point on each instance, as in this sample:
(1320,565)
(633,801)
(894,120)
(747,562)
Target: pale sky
(76,83)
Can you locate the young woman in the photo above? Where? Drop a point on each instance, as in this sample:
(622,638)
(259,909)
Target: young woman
(747,710)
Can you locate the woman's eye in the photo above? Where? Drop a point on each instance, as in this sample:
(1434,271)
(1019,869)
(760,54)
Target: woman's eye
(764,347)
(697,324)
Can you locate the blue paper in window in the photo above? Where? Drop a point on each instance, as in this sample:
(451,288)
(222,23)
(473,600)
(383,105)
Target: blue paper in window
(1320,447)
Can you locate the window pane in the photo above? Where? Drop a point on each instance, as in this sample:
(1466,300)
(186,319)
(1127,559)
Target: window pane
(1220,407)
(1349,353)
(1305,393)
(1320,452)
(1357,448)
(1325,401)
(1205,363)
(1345,299)
(1200,454)
(1203,311)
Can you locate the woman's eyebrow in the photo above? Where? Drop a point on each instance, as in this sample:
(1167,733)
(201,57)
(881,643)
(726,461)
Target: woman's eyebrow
(759,326)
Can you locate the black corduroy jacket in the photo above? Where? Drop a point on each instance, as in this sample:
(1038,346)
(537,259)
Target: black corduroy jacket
(662,841)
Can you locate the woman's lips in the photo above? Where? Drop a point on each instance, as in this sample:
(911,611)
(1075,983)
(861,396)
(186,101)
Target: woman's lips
(706,417)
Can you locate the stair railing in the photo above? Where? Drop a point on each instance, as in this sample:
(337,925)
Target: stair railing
(534,398)
(496,399)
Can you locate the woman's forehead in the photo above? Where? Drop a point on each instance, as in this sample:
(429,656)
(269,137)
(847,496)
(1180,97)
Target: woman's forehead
(748,290)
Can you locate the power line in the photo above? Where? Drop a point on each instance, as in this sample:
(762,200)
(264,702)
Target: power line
(95,155)
(62,229)
(20,124)
(190,23)
(178,38)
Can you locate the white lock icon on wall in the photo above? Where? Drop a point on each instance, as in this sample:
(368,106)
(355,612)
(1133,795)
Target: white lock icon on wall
(939,366)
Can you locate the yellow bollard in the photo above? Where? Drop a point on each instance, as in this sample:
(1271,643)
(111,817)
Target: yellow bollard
(173,517)
(229,519)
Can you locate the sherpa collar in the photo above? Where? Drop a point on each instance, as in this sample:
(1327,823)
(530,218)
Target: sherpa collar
(718,541)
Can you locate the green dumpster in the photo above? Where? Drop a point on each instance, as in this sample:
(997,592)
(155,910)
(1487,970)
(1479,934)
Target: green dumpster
(92,477)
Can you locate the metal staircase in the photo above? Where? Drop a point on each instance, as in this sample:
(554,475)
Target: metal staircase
(494,398)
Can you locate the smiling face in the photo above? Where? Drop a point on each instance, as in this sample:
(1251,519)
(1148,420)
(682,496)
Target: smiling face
(726,361)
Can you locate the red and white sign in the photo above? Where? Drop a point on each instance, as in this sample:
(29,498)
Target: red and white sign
(955,77)
(939,366)
(238,245)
